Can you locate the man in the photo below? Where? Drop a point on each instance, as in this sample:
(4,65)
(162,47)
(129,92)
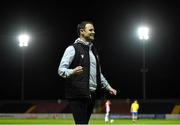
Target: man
(80,66)
(134,110)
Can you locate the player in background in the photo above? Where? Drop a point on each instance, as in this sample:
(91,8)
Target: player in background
(134,110)
(108,108)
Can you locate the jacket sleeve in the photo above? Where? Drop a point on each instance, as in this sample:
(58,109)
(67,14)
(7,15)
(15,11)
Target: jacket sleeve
(68,56)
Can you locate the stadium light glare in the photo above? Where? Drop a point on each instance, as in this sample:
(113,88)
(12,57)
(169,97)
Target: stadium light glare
(23,40)
(143,33)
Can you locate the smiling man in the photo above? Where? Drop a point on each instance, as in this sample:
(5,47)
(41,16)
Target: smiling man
(81,69)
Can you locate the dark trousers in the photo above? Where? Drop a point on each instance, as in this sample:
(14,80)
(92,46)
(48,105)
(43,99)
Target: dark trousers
(82,109)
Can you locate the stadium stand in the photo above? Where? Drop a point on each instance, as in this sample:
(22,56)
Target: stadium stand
(156,108)
(176,109)
(14,107)
(118,106)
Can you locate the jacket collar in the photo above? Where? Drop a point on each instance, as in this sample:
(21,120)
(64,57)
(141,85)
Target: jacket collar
(78,40)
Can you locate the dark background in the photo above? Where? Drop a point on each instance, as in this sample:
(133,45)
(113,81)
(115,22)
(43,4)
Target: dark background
(52,27)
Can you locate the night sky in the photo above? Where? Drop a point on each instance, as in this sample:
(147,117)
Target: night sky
(52,27)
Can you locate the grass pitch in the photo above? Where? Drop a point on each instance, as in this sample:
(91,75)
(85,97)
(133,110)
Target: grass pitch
(91,122)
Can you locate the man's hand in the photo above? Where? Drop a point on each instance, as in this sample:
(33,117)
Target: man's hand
(78,70)
(112,91)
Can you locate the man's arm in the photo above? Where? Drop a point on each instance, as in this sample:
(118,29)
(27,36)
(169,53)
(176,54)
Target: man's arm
(106,85)
(66,61)
(104,82)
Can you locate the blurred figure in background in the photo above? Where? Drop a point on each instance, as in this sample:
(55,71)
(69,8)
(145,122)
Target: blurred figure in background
(134,110)
(108,109)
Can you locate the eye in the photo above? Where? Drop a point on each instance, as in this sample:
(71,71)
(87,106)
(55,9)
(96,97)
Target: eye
(91,30)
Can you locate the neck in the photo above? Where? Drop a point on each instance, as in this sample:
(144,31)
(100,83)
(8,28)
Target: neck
(85,40)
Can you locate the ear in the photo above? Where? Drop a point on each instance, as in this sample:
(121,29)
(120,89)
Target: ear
(81,30)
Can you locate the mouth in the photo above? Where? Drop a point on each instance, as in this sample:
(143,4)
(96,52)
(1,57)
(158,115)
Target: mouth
(92,35)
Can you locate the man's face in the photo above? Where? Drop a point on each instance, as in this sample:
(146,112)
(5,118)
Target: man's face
(88,32)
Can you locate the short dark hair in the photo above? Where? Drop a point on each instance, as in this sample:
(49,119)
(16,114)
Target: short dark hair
(82,26)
